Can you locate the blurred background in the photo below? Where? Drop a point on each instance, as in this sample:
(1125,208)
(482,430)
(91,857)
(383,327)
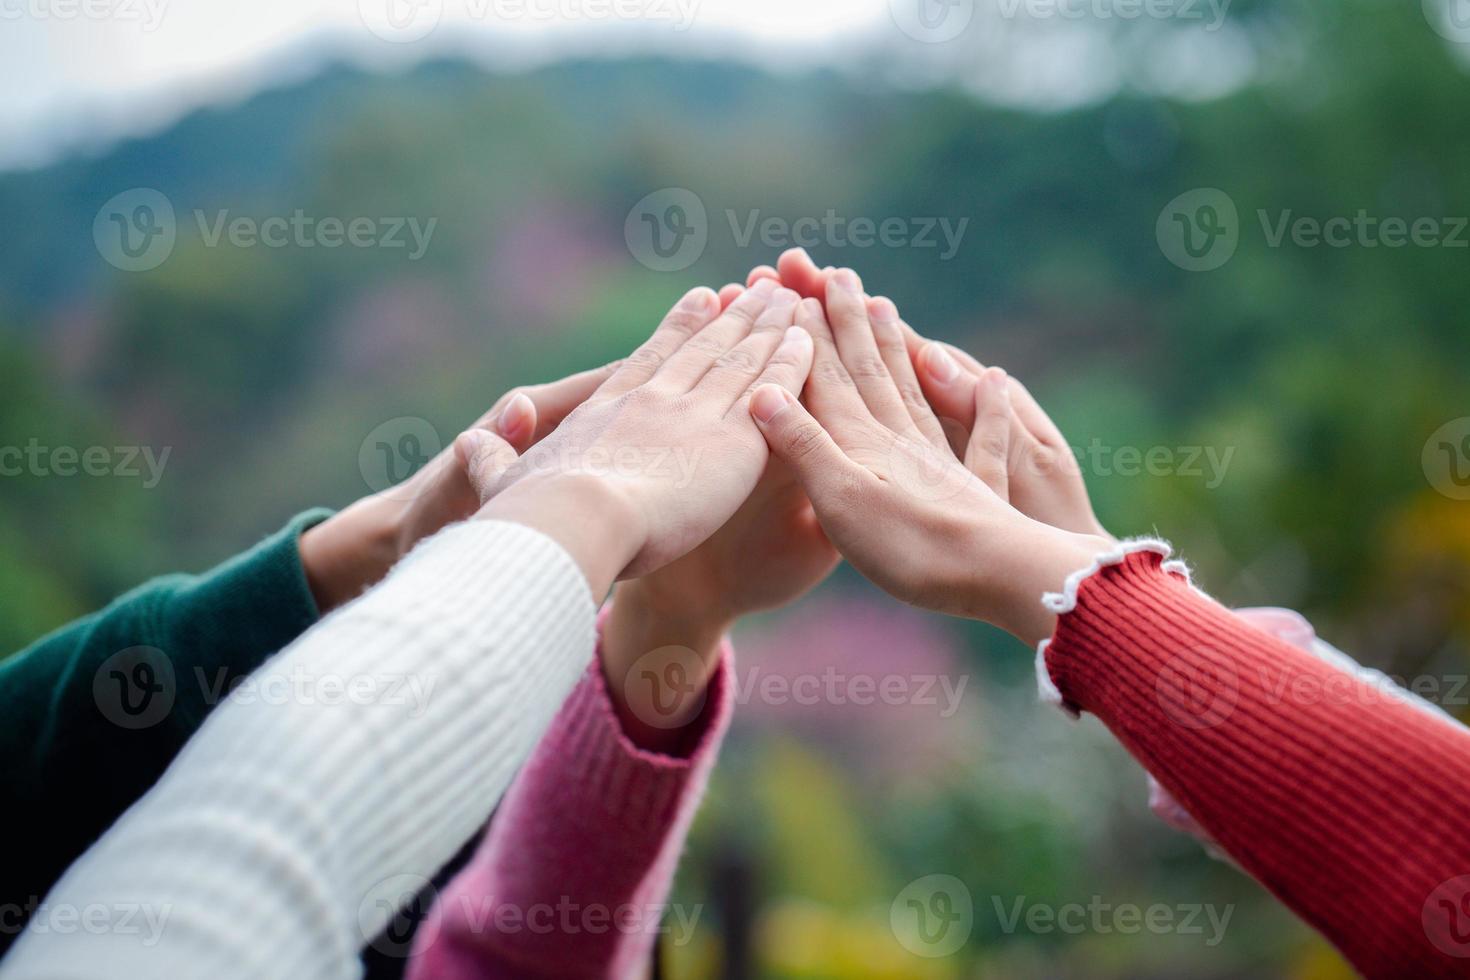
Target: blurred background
(1115,200)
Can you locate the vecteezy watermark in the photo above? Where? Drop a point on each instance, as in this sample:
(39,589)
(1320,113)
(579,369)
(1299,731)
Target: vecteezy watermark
(1450,19)
(1207,463)
(135,688)
(136,230)
(1198,691)
(395,451)
(402,901)
(932,21)
(124,462)
(1101,918)
(1446,459)
(298,685)
(1446,917)
(666,688)
(147,14)
(932,916)
(92,919)
(1210,13)
(138,687)
(668,230)
(1199,230)
(404,21)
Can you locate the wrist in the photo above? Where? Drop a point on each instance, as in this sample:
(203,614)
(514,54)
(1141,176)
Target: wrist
(1037,558)
(588,516)
(351,551)
(644,632)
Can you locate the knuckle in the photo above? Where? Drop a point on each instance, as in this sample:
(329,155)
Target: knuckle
(737,360)
(993,446)
(804,439)
(832,372)
(704,345)
(648,358)
(913,396)
(869,367)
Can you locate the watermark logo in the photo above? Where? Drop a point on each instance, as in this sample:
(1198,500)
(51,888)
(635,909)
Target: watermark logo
(1104,918)
(933,916)
(1450,19)
(665,687)
(1446,917)
(396,450)
(1199,230)
(394,917)
(932,21)
(401,21)
(135,230)
(135,688)
(1446,459)
(667,230)
(148,14)
(1196,692)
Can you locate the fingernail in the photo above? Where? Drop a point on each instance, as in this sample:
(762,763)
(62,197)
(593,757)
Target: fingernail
(848,280)
(515,416)
(697,298)
(785,297)
(768,402)
(940,365)
(882,308)
(810,307)
(765,287)
(995,378)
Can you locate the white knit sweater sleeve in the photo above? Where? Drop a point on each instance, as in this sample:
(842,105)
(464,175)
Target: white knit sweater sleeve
(360,758)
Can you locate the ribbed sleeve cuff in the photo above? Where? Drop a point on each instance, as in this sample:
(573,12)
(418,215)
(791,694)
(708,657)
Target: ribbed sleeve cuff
(634,786)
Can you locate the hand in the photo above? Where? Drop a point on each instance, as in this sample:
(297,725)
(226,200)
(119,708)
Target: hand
(664,452)
(771,552)
(1045,480)
(352,550)
(890,493)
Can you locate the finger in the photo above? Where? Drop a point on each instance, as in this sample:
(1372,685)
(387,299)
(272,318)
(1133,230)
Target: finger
(950,390)
(1030,412)
(831,392)
(683,368)
(697,308)
(729,292)
(738,367)
(484,457)
(799,441)
(788,367)
(989,451)
(552,401)
(847,312)
(797,271)
(888,334)
(516,424)
(761,272)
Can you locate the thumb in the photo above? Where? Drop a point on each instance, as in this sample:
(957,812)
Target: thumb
(484,458)
(799,441)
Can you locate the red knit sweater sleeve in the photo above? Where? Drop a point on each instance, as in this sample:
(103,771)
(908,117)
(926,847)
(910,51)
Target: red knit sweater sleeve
(1348,803)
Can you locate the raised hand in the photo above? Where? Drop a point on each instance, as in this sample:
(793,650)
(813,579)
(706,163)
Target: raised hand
(890,493)
(663,453)
(354,549)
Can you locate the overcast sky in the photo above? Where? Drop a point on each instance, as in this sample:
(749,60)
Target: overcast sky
(78,73)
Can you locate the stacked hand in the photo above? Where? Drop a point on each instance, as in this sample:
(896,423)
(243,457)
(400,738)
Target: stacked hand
(717,466)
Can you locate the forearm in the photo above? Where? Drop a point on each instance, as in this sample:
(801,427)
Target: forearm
(573,876)
(1341,799)
(101,707)
(300,817)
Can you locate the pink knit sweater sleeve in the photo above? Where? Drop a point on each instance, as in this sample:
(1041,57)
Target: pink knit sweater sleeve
(572,878)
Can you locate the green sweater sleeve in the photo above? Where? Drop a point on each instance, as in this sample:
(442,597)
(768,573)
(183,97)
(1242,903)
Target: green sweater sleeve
(92,714)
